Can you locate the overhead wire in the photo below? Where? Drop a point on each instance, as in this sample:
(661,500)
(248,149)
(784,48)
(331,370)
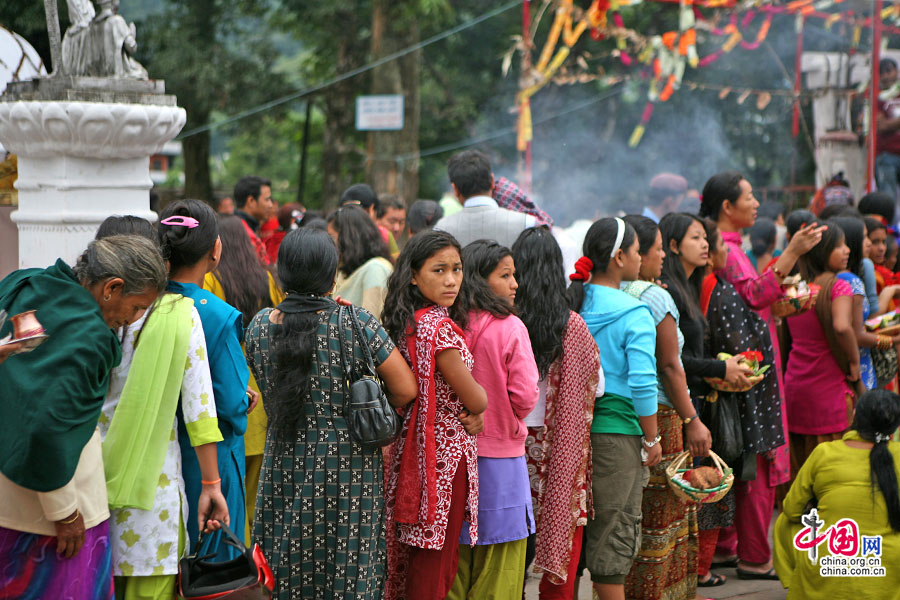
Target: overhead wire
(351,73)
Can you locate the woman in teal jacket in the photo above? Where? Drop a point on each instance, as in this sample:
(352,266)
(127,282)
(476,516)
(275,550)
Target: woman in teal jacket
(624,425)
(189,238)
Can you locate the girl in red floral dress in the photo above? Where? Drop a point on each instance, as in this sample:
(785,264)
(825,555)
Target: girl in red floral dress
(433,484)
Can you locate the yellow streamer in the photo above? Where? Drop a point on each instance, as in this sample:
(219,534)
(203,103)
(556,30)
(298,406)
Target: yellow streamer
(557,62)
(526,132)
(732,41)
(636,136)
(561,16)
(570,37)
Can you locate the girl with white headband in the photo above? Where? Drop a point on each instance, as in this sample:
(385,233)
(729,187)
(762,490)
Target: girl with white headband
(624,425)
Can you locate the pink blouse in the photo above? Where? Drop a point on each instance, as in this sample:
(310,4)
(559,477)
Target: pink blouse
(760,292)
(815,387)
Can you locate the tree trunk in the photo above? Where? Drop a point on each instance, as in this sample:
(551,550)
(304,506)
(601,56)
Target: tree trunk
(393,164)
(195,150)
(338,135)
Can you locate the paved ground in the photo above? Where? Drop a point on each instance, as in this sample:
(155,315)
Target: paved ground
(733,588)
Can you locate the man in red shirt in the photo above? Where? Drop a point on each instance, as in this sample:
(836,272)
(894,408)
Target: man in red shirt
(253,198)
(887,120)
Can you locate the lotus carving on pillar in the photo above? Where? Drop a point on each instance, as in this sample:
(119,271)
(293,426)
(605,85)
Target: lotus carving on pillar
(88,129)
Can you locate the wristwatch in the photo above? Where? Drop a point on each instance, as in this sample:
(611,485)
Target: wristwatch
(694,417)
(653,443)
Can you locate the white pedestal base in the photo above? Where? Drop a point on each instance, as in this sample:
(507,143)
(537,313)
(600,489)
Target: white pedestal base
(80,162)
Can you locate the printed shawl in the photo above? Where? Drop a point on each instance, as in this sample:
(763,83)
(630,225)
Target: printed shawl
(566,447)
(416,491)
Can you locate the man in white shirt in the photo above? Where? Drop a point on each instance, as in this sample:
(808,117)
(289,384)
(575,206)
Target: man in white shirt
(667,190)
(481,218)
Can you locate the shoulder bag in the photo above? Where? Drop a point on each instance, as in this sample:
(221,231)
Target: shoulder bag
(372,421)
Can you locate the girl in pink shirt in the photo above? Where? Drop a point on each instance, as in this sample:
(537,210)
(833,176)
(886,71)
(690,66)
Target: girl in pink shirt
(505,367)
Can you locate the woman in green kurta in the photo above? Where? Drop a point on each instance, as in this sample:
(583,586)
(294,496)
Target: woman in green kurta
(852,478)
(320,504)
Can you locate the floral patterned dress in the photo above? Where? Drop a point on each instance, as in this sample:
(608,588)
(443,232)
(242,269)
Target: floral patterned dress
(145,542)
(436,333)
(432,475)
(319,507)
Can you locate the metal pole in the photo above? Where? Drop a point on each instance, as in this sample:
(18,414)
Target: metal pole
(526,39)
(301,184)
(873,110)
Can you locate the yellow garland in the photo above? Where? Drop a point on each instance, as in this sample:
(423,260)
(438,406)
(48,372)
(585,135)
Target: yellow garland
(526,132)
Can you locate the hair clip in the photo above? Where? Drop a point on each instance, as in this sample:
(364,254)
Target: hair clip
(181,221)
(882,437)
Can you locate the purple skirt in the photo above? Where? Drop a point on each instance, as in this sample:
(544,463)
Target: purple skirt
(504,502)
(30,569)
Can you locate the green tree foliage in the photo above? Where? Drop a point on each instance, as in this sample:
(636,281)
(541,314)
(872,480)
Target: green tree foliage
(214,55)
(272,149)
(337,38)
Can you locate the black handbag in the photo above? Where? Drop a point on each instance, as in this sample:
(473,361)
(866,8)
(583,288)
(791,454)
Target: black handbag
(372,421)
(247,577)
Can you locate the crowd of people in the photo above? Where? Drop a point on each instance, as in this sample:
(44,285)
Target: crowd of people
(198,375)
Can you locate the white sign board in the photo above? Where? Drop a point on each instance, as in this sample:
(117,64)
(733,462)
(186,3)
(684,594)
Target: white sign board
(383,112)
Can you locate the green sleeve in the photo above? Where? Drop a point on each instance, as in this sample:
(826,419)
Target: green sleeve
(204,431)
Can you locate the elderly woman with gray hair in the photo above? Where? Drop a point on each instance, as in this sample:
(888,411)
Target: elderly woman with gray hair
(54,529)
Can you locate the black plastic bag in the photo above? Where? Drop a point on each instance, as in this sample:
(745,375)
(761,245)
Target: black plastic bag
(722,417)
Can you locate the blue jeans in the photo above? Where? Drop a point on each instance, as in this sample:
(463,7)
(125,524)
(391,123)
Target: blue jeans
(887,173)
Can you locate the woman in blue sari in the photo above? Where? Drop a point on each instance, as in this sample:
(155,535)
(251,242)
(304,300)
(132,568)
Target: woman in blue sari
(189,238)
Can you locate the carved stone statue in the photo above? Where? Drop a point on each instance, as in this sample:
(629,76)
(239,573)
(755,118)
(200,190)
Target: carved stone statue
(114,41)
(93,46)
(81,13)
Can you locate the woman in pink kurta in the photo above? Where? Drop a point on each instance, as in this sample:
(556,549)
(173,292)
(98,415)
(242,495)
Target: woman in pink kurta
(728,200)
(815,386)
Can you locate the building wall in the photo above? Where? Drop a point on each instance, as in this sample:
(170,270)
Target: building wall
(9,242)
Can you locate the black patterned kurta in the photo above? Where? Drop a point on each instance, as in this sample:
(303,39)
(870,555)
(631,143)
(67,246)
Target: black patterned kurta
(319,509)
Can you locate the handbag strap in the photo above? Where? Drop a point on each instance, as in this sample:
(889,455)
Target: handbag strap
(356,337)
(367,353)
(204,540)
(346,357)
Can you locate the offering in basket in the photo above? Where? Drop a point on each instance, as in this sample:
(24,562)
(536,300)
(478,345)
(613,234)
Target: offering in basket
(886,324)
(799,297)
(703,484)
(751,359)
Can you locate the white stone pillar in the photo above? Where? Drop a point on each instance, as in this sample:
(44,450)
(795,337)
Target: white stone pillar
(80,162)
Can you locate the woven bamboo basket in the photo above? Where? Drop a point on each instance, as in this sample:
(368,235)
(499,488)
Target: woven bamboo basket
(684,490)
(788,307)
(721,385)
